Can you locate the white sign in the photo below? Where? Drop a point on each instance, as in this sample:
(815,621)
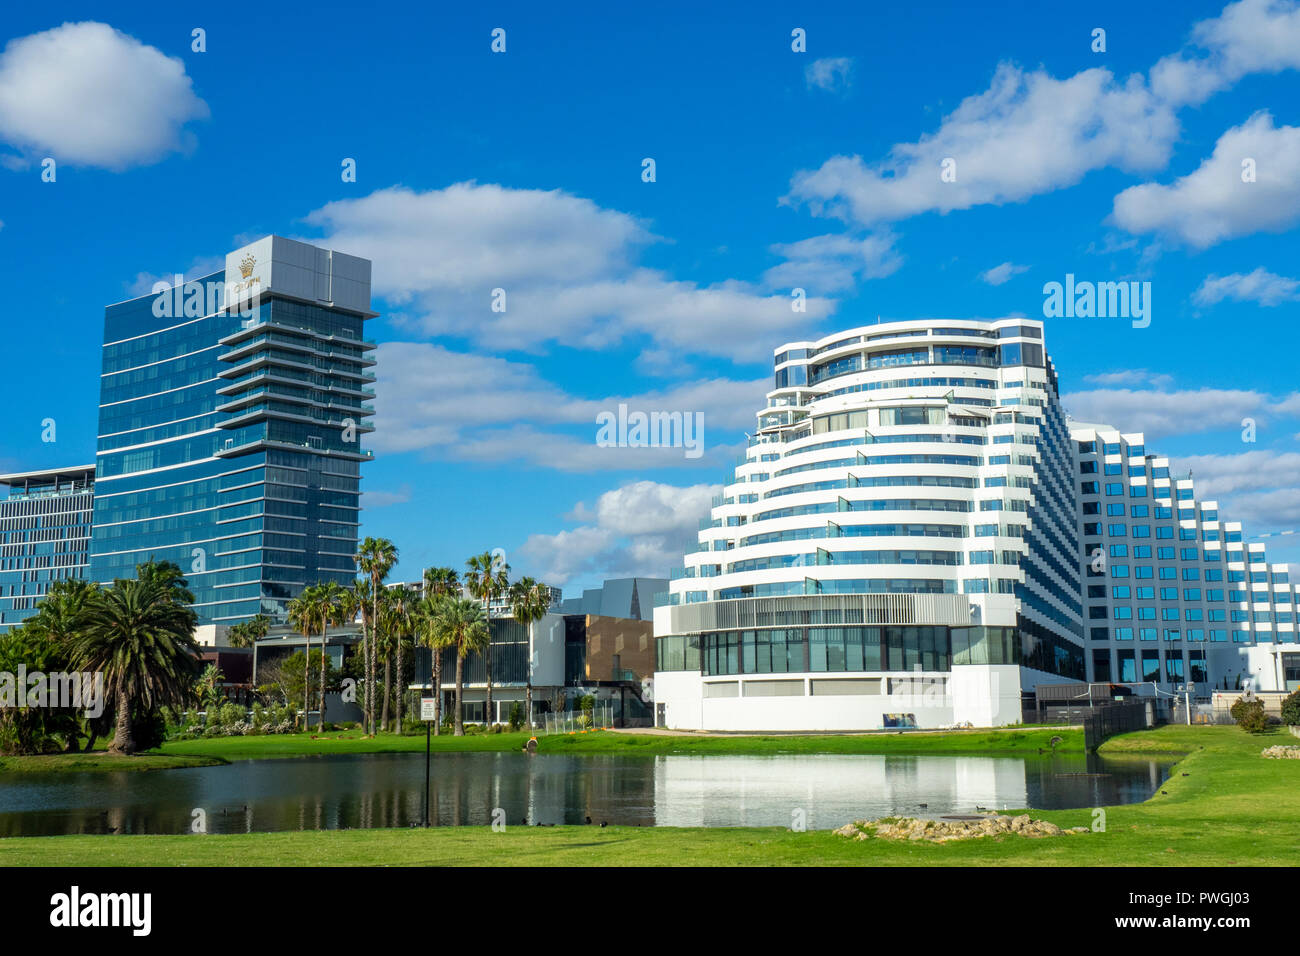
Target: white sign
(426,707)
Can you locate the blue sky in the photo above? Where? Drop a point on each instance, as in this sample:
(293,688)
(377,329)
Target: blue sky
(774,168)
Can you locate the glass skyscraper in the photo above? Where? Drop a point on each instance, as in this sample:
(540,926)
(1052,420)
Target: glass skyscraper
(232,410)
(44,535)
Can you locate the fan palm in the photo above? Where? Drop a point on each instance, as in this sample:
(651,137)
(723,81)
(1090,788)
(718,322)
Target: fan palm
(375,557)
(245,633)
(326,606)
(458,623)
(349,607)
(141,638)
(388,635)
(529,602)
(404,603)
(488,578)
(302,615)
(438,582)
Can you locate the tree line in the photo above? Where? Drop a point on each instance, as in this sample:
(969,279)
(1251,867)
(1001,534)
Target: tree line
(139,634)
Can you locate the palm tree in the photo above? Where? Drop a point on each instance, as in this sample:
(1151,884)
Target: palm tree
(375,557)
(302,615)
(459,623)
(64,611)
(388,627)
(62,616)
(141,638)
(529,602)
(367,609)
(404,603)
(488,578)
(349,606)
(326,608)
(245,633)
(438,582)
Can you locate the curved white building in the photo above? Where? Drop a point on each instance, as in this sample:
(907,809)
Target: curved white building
(899,545)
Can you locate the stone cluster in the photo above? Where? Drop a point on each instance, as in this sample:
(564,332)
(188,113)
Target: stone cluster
(944,831)
(1282,753)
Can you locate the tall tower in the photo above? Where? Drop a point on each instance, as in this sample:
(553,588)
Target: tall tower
(900,540)
(232,410)
(44,535)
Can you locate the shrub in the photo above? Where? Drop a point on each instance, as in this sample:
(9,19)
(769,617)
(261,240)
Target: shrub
(1291,710)
(149,729)
(516,716)
(1250,715)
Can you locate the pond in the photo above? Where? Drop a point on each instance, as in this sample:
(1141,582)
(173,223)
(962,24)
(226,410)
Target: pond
(387,790)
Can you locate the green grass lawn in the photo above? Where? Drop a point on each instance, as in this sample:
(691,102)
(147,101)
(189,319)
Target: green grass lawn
(1232,807)
(1011,741)
(100,760)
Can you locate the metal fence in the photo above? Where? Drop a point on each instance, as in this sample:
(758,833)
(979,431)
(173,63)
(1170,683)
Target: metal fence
(1117,719)
(573,721)
(1203,712)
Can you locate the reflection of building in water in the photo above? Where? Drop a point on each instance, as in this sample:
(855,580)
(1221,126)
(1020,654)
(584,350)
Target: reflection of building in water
(829,790)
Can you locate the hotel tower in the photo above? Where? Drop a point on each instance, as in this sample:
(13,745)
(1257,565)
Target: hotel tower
(232,411)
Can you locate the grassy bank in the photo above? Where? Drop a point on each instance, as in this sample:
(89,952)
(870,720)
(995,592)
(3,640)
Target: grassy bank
(101,761)
(610,742)
(1224,805)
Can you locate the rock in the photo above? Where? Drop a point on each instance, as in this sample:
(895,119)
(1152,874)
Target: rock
(945,831)
(1279,752)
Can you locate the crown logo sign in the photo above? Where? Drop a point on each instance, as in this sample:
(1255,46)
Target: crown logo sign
(246,266)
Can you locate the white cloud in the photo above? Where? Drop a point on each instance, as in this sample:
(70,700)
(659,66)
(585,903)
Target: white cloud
(1029,133)
(1212,203)
(568,268)
(1003,273)
(1160,414)
(1257,488)
(1259,286)
(830,73)
(87,94)
(1131,376)
(377,498)
(833,263)
(642,528)
(144,282)
(1251,36)
(467,407)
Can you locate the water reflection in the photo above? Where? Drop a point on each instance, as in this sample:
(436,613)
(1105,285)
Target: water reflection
(387,790)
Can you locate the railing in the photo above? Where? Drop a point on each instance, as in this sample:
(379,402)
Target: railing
(575,721)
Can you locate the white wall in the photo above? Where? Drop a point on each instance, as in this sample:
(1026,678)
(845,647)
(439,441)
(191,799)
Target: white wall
(687,708)
(548,651)
(986,695)
(679,692)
